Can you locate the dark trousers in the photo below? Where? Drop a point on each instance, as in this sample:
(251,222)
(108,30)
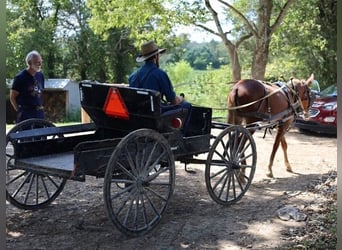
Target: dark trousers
(24,114)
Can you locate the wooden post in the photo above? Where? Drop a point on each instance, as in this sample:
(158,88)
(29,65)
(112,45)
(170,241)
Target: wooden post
(85,117)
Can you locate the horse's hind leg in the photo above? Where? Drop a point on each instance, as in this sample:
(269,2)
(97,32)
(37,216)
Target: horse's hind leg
(286,160)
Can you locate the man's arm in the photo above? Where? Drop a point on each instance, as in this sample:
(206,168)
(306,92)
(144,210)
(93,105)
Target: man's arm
(13,99)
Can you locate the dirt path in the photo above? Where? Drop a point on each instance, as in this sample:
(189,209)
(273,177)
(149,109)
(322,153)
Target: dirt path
(77,219)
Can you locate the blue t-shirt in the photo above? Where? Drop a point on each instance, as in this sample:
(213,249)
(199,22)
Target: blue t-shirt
(30,88)
(149,76)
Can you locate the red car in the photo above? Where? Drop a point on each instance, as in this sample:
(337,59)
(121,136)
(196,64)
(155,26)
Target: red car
(323,113)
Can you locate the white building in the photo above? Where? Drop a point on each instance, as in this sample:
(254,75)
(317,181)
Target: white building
(72,93)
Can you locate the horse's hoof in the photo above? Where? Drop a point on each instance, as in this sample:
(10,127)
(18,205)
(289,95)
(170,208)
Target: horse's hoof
(289,170)
(270,175)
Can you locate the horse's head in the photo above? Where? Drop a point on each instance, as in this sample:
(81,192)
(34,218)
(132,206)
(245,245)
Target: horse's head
(302,91)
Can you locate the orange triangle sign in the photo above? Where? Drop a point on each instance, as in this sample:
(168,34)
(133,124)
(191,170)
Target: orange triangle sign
(115,105)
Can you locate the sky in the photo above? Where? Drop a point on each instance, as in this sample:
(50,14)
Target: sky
(199,35)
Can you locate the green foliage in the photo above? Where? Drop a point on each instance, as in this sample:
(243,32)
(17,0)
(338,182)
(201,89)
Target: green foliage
(299,50)
(142,19)
(200,58)
(60,31)
(203,88)
(27,21)
(99,39)
(73,117)
(180,72)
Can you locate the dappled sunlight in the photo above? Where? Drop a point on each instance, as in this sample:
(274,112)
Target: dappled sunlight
(14,234)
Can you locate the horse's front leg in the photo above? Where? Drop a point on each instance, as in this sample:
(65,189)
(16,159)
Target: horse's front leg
(276,143)
(286,160)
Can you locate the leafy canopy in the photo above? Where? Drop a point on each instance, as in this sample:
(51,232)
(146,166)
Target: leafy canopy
(143,19)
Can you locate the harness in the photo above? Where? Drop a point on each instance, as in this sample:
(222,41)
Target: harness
(295,104)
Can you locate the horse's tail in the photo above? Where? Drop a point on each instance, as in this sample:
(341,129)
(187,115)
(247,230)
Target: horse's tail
(232,116)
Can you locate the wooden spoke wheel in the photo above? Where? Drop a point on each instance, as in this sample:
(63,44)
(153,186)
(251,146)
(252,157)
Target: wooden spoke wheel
(230,165)
(29,189)
(139,181)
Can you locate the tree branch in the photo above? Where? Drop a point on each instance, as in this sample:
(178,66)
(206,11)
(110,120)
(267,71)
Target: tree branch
(244,19)
(281,16)
(220,33)
(208,29)
(242,39)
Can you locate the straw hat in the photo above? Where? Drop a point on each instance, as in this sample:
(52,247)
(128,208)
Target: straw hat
(148,50)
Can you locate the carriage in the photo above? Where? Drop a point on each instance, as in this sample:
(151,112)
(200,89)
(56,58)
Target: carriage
(133,146)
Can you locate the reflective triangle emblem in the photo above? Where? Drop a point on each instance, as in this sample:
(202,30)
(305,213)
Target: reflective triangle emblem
(114,105)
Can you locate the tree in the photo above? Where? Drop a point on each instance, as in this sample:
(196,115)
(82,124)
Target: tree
(142,19)
(31,25)
(154,19)
(200,57)
(299,50)
(259,21)
(92,56)
(327,21)
(59,30)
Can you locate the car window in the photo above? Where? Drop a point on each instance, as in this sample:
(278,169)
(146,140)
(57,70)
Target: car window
(315,86)
(329,91)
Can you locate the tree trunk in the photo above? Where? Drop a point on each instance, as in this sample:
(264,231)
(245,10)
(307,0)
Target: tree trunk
(262,39)
(236,67)
(263,35)
(260,57)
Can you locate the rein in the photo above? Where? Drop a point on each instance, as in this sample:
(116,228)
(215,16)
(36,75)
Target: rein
(293,105)
(251,103)
(256,101)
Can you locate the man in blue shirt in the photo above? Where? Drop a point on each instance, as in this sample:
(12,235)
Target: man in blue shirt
(150,76)
(27,89)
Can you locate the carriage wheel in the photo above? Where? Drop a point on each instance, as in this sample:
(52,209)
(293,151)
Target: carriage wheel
(230,165)
(139,181)
(27,189)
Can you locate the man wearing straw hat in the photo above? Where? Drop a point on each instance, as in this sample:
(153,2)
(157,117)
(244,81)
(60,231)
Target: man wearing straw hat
(150,76)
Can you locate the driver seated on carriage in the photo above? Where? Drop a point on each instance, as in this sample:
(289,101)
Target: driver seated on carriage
(150,76)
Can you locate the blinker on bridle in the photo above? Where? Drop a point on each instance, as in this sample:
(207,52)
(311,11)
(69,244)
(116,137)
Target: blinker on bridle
(295,90)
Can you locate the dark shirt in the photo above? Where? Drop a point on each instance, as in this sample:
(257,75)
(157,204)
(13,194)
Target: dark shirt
(149,76)
(30,88)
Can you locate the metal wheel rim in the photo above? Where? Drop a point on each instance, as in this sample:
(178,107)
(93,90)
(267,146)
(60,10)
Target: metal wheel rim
(139,181)
(230,165)
(28,189)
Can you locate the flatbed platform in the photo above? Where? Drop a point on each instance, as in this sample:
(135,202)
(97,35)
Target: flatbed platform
(57,164)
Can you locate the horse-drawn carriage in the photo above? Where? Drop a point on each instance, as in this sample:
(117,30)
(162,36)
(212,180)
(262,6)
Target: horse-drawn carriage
(133,147)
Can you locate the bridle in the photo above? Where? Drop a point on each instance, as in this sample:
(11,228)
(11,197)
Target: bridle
(297,104)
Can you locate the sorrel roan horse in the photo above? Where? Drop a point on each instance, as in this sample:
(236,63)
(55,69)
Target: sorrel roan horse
(252,101)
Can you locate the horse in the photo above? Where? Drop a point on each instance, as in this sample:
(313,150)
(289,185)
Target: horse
(252,102)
